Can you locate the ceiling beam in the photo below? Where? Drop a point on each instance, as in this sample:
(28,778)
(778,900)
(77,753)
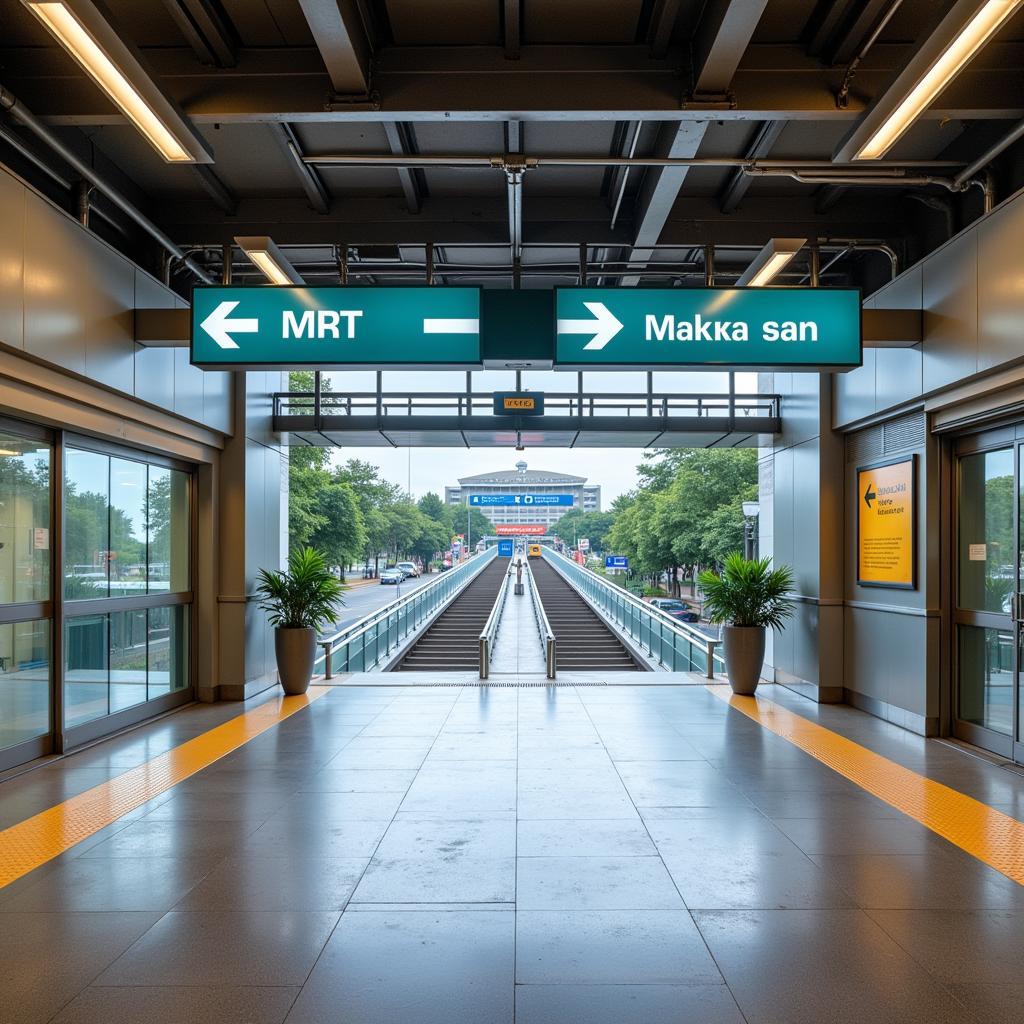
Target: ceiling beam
(660,189)
(309,178)
(206,29)
(222,196)
(722,37)
(546,84)
(663,21)
(867,17)
(402,142)
(340,35)
(512,23)
(736,187)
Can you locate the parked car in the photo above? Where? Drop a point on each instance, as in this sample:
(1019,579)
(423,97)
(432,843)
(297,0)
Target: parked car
(677,609)
(409,568)
(392,575)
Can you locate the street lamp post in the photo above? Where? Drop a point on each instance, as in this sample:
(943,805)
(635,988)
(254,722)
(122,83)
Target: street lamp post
(751,512)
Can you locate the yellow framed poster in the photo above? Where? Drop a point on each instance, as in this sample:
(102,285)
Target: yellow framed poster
(887,524)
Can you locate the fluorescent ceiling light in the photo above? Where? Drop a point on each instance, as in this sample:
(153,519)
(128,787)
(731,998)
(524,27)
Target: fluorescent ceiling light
(770,261)
(268,259)
(86,35)
(967,27)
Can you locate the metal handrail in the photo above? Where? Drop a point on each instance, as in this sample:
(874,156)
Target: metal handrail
(366,642)
(490,631)
(547,637)
(666,639)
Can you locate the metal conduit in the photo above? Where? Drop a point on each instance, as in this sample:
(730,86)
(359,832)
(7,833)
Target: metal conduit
(10,103)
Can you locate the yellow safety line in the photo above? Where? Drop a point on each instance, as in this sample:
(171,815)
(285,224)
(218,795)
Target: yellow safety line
(993,837)
(36,840)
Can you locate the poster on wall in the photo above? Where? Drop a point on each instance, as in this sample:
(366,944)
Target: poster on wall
(887,524)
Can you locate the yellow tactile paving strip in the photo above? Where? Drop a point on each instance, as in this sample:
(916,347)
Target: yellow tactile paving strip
(36,840)
(991,836)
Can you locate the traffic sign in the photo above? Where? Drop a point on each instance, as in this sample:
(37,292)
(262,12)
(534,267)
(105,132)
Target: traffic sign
(735,327)
(518,403)
(583,544)
(505,548)
(291,327)
(482,500)
(616,562)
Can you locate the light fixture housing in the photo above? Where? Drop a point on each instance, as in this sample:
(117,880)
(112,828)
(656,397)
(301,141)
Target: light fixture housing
(958,37)
(777,252)
(84,30)
(268,259)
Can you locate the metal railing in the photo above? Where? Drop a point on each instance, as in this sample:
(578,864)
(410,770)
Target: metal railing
(363,645)
(481,404)
(492,625)
(675,645)
(547,637)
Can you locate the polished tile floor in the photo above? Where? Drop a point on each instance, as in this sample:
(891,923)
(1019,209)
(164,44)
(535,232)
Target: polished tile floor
(595,854)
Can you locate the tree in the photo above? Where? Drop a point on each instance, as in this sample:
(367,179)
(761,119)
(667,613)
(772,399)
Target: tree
(405,525)
(432,507)
(340,535)
(375,497)
(592,525)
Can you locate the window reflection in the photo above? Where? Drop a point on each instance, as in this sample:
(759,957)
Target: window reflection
(86,525)
(24,681)
(986,552)
(24,519)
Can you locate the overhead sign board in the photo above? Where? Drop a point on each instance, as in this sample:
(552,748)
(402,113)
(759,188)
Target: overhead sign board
(625,328)
(505,548)
(290,327)
(616,562)
(518,403)
(520,529)
(886,524)
(483,500)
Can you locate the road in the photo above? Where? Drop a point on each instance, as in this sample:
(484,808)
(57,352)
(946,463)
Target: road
(360,601)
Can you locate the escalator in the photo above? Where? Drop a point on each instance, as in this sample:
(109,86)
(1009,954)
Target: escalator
(583,641)
(452,641)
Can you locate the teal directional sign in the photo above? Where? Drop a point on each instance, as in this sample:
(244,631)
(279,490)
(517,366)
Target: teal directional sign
(626,328)
(291,327)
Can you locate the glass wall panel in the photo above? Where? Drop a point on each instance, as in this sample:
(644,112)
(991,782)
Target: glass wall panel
(24,681)
(86,669)
(986,510)
(86,524)
(986,677)
(24,519)
(127,659)
(168,650)
(168,530)
(127,555)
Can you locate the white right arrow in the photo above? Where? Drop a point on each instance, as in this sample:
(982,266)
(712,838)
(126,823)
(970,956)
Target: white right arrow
(603,328)
(219,327)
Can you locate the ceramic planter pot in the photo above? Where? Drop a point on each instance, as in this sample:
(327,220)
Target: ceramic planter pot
(296,651)
(744,656)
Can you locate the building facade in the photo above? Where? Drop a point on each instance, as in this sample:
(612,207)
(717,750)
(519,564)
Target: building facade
(532,487)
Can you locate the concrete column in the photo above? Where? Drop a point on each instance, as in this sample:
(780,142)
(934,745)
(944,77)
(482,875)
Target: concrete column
(801,525)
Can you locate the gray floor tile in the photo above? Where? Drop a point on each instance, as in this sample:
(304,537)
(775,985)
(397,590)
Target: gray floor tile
(46,959)
(810,966)
(258,882)
(626,1004)
(595,883)
(998,1003)
(310,839)
(209,1005)
(224,948)
(431,968)
(608,947)
(359,780)
(589,837)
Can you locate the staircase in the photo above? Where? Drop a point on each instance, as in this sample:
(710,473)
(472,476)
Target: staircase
(582,640)
(452,641)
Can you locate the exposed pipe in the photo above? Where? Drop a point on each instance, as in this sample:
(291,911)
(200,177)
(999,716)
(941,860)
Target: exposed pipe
(845,178)
(518,162)
(82,202)
(843,96)
(10,103)
(625,175)
(1014,135)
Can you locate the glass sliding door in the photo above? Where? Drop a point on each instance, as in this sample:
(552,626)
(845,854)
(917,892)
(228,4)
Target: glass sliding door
(988,607)
(26,706)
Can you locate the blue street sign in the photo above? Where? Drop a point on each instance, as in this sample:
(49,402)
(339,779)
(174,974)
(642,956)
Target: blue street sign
(479,500)
(296,326)
(616,562)
(736,327)
(504,549)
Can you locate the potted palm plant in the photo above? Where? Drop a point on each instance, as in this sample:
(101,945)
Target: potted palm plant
(746,598)
(299,602)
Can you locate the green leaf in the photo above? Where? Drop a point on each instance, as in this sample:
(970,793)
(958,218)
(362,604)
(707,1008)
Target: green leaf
(306,594)
(748,592)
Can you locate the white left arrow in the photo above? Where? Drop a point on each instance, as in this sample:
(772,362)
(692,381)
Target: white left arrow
(220,328)
(603,327)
